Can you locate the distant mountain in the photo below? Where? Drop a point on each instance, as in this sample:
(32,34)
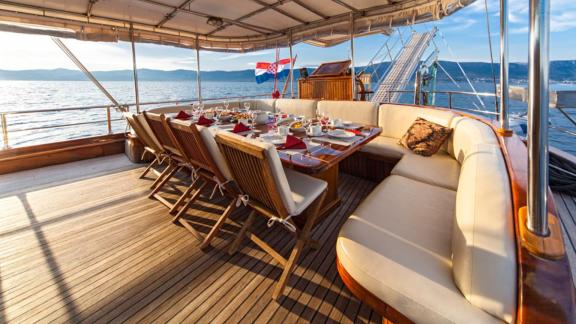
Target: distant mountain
(559,71)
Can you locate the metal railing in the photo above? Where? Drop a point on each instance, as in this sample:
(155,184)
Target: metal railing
(450,105)
(108,109)
(450,95)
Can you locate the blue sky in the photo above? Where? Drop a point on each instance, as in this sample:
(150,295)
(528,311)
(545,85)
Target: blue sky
(465,32)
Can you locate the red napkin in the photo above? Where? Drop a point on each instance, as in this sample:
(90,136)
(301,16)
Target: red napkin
(240,128)
(355,131)
(203,121)
(183,115)
(293,142)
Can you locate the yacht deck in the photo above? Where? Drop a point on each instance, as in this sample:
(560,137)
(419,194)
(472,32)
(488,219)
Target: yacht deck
(566,206)
(82,242)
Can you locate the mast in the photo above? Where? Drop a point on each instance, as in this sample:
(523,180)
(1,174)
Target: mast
(135,71)
(538,105)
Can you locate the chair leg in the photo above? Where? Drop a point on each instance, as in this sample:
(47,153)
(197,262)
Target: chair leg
(167,177)
(216,228)
(313,212)
(281,285)
(148,168)
(243,231)
(183,197)
(161,176)
(189,203)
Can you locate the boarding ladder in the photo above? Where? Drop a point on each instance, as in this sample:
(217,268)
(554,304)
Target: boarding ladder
(403,67)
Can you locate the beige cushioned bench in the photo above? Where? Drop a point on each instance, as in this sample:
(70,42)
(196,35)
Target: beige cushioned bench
(435,240)
(362,112)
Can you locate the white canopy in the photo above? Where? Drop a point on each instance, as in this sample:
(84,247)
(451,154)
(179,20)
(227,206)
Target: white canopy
(233,25)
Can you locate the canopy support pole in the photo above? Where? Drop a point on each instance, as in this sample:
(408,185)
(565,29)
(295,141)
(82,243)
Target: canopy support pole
(198,79)
(504,92)
(291,68)
(352,69)
(85,70)
(538,105)
(135,71)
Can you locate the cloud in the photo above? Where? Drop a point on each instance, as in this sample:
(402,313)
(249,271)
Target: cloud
(518,30)
(564,21)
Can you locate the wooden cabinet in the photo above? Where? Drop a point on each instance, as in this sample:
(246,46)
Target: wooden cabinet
(326,88)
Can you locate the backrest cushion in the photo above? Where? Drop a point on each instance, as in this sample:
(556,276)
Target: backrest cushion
(170,109)
(396,119)
(144,123)
(261,104)
(298,107)
(468,134)
(207,134)
(363,112)
(278,173)
(483,244)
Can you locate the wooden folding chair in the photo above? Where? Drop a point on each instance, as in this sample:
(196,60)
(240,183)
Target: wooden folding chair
(151,145)
(201,151)
(176,162)
(282,196)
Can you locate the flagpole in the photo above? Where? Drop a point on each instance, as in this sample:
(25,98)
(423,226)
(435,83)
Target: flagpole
(291,68)
(352,69)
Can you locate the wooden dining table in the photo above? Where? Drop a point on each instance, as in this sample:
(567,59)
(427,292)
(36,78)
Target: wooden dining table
(322,160)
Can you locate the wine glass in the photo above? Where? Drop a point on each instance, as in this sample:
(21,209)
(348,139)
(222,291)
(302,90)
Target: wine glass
(226,104)
(247,105)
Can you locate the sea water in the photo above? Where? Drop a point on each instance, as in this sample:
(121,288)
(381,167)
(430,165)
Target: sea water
(42,95)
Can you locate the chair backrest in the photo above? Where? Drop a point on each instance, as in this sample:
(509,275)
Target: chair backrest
(156,123)
(363,112)
(190,143)
(141,132)
(257,171)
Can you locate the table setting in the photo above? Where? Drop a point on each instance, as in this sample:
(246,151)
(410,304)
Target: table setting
(297,139)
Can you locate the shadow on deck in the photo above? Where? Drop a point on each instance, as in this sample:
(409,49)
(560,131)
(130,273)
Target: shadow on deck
(82,242)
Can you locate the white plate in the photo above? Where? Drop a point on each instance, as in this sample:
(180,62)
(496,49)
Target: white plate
(275,139)
(340,134)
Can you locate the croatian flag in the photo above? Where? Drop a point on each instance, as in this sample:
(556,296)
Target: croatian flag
(265,71)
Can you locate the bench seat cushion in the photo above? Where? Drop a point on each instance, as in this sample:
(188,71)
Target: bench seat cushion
(439,169)
(387,147)
(397,245)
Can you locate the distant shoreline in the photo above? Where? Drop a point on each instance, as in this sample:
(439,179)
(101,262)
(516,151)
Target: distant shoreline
(560,71)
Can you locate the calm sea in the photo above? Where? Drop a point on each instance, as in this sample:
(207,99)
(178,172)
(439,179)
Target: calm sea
(40,95)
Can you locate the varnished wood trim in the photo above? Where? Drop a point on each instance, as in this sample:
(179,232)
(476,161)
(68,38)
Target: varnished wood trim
(31,157)
(553,249)
(388,313)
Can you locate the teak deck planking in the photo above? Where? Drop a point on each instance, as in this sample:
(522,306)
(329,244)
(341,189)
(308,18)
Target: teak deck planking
(82,243)
(91,247)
